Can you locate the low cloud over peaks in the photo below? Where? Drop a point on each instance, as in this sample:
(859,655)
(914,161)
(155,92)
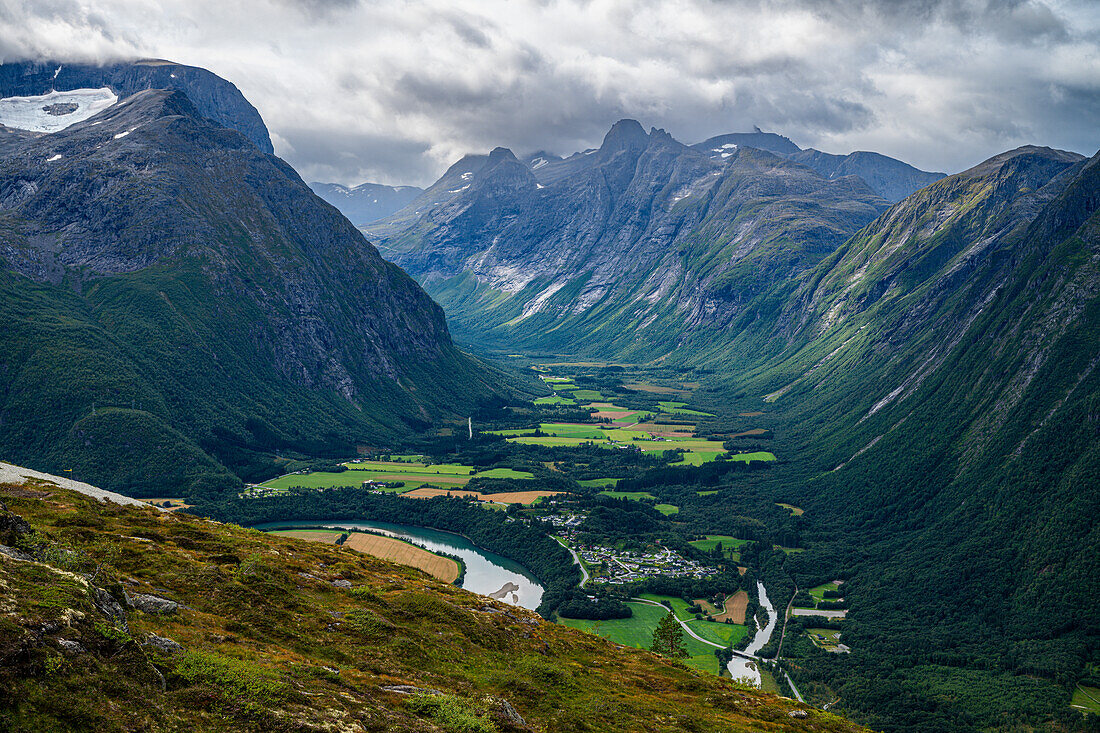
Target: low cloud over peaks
(394,91)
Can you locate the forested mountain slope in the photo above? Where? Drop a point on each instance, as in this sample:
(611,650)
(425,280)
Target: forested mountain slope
(176,302)
(938,378)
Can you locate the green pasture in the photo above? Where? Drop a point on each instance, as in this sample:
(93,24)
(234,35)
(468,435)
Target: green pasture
(637,631)
(555,400)
(819,592)
(562,386)
(680,408)
(445,469)
(667,509)
(712,540)
(505,473)
(632,495)
(587,394)
(1087,698)
(599,483)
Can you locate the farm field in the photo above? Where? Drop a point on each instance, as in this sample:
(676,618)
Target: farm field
(411,467)
(587,394)
(730,545)
(681,408)
(503,473)
(403,553)
(507,497)
(819,592)
(412,474)
(324,536)
(736,605)
(555,400)
(598,483)
(637,631)
(632,495)
(1087,698)
(667,509)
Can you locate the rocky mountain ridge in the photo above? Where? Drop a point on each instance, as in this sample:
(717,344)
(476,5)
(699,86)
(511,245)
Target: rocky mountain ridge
(211,95)
(643,232)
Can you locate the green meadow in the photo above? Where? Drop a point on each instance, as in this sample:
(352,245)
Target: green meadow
(632,495)
(637,631)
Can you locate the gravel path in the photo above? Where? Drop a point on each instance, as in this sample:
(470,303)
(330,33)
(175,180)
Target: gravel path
(17,475)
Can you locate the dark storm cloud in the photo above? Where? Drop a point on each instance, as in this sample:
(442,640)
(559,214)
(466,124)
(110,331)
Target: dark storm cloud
(395,90)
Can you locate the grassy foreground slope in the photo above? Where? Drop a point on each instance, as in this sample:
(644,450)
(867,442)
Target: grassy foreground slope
(282,634)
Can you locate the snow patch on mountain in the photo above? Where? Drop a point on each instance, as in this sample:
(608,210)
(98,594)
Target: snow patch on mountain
(54,111)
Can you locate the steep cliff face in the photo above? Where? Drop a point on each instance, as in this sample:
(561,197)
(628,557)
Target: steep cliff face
(174,291)
(623,249)
(211,95)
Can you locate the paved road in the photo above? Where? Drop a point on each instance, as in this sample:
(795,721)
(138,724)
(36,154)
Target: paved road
(797,694)
(576,559)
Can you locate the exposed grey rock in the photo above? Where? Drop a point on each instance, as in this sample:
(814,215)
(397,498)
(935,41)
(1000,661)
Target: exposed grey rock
(682,241)
(72,646)
(14,553)
(342,583)
(410,690)
(13,527)
(798,714)
(151,604)
(109,606)
(366,202)
(508,713)
(162,644)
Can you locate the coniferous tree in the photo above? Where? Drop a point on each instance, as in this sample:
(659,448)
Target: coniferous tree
(668,638)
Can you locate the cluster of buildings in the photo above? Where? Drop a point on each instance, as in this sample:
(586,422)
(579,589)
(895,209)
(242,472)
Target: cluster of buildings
(623,566)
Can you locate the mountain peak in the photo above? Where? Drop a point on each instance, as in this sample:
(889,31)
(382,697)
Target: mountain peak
(501,154)
(1035,152)
(625,135)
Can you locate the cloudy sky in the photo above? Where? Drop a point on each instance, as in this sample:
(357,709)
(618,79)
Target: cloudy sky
(395,90)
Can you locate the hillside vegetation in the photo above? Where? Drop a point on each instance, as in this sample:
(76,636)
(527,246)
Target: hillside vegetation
(124,618)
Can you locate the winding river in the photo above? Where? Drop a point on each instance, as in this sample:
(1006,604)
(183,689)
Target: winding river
(486,573)
(741,668)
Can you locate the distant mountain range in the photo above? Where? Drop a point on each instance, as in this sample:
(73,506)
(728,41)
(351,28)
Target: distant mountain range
(646,234)
(177,303)
(367,202)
